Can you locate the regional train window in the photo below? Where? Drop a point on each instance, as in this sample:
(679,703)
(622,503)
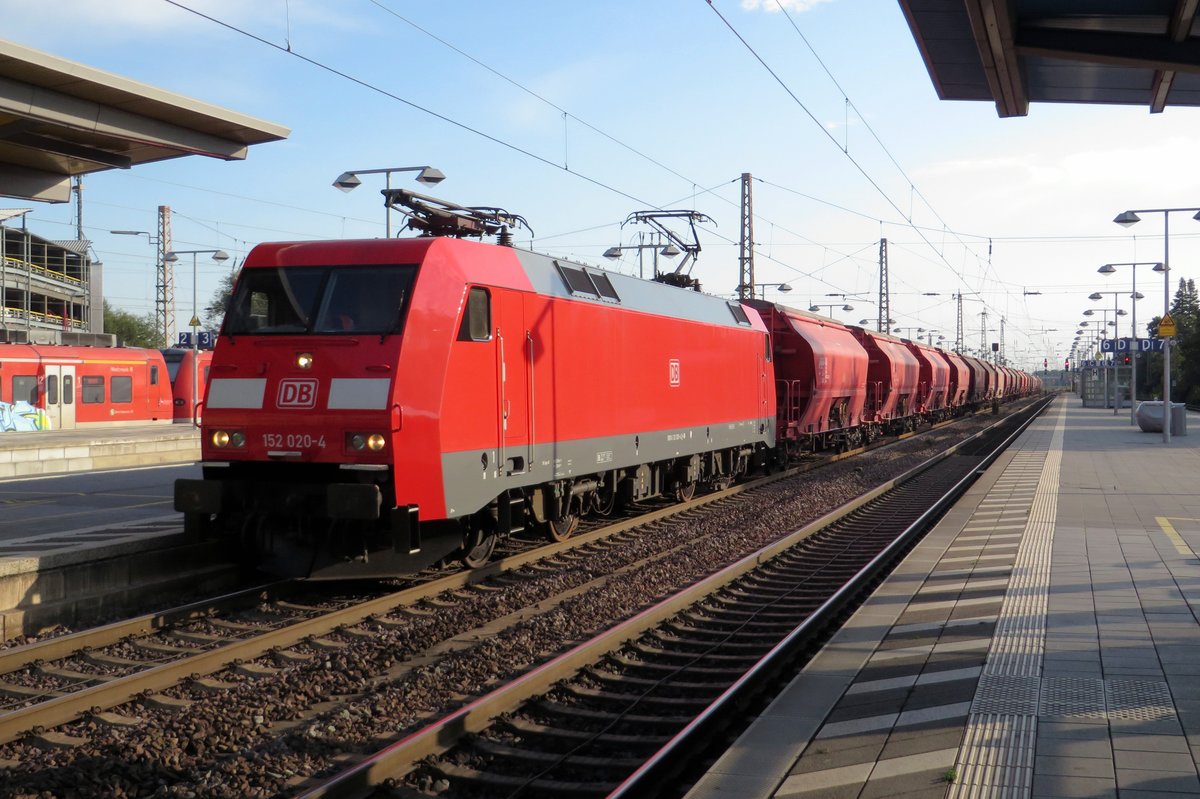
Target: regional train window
(153,375)
(122,388)
(92,390)
(739,313)
(477,318)
(68,389)
(24,389)
(51,389)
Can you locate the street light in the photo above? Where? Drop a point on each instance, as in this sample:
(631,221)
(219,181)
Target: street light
(1125,219)
(783,287)
(816,308)
(348,181)
(1109,269)
(172,257)
(669,251)
(909,329)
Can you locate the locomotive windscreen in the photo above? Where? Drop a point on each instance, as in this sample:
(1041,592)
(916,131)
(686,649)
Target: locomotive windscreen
(287,300)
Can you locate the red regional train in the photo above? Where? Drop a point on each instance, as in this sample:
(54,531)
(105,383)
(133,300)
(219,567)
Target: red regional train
(55,387)
(378,406)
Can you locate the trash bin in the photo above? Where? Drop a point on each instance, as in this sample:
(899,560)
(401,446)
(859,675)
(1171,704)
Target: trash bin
(1178,419)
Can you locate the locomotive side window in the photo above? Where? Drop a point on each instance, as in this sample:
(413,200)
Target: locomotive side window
(121,389)
(477,318)
(604,286)
(92,390)
(68,390)
(24,389)
(739,313)
(595,285)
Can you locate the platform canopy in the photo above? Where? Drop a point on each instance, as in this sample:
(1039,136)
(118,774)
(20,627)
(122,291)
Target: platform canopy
(1014,52)
(60,119)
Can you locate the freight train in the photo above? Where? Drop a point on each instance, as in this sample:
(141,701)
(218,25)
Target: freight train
(54,387)
(378,406)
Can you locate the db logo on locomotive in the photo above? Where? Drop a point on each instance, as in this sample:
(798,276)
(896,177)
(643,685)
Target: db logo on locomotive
(295,393)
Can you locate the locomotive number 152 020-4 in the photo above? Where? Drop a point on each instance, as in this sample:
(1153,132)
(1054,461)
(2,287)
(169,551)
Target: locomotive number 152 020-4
(293,440)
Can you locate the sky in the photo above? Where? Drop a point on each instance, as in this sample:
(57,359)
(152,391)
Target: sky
(577,114)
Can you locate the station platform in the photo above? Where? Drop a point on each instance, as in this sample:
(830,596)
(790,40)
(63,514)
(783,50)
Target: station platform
(1041,641)
(63,451)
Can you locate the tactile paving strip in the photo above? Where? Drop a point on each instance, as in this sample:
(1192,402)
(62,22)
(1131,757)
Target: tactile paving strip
(1072,698)
(1138,700)
(1006,694)
(996,757)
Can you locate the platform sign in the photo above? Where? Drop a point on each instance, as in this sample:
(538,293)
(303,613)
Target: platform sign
(1123,345)
(1166,326)
(205,340)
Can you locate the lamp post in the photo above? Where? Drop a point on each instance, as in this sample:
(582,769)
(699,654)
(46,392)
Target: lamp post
(172,257)
(910,330)
(1109,269)
(782,287)
(1125,219)
(816,308)
(669,251)
(348,181)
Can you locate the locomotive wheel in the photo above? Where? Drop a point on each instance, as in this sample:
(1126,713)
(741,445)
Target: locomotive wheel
(562,529)
(685,492)
(479,552)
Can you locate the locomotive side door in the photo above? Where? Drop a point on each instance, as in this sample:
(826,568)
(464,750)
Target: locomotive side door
(59,395)
(512,357)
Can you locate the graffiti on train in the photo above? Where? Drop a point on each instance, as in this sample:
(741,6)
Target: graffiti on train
(21,417)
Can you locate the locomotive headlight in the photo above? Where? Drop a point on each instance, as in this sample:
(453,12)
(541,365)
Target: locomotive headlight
(363,441)
(304,360)
(224,438)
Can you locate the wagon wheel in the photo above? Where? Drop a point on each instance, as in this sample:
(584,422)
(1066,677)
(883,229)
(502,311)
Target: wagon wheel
(558,530)
(685,491)
(478,550)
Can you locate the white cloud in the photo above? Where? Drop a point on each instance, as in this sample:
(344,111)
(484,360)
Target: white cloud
(771,6)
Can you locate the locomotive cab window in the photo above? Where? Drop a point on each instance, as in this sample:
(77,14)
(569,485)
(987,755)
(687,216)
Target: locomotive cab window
(289,300)
(477,316)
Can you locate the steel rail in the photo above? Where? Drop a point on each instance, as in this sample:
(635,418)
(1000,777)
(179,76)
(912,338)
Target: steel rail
(387,765)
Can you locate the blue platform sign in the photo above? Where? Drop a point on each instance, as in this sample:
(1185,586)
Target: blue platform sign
(205,340)
(1120,345)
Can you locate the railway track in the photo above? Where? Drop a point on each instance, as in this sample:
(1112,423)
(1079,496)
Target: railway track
(132,687)
(625,712)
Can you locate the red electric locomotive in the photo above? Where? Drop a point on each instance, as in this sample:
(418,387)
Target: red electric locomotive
(53,387)
(378,406)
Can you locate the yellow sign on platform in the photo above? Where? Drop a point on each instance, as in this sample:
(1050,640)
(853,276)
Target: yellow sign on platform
(1166,326)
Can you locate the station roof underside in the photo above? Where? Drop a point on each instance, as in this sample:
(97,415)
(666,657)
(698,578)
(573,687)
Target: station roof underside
(60,119)
(1014,52)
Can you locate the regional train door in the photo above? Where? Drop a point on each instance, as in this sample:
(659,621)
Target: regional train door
(512,355)
(59,393)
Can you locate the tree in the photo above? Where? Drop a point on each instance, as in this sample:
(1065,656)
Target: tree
(1185,363)
(130,330)
(214,312)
